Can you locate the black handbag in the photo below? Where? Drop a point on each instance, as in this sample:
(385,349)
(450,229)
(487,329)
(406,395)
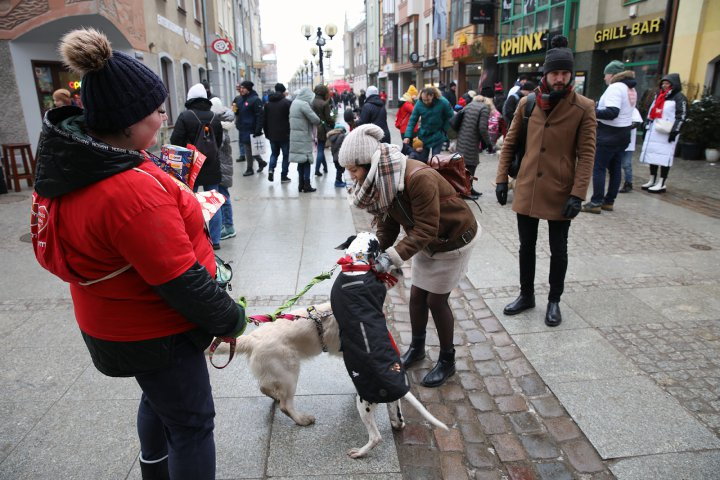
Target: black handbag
(456,120)
(514,168)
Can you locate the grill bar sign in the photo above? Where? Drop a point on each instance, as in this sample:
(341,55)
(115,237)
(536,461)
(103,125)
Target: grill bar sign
(530,42)
(625,31)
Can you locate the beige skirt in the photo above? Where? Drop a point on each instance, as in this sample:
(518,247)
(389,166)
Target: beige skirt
(443,271)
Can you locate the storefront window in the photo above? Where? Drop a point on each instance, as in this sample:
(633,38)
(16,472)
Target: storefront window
(557,18)
(50,76)
(541,20)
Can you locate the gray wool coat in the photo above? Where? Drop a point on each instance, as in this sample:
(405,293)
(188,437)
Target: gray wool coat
(302,120)
(473,128)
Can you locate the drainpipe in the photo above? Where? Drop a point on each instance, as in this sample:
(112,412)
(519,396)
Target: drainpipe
(667,38)
(208,69)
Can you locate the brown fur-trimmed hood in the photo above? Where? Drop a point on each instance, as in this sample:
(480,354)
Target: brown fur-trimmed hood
(626,75)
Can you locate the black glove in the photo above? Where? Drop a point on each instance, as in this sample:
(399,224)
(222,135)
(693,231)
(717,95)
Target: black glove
(572,207)
(673,135)
(501,191)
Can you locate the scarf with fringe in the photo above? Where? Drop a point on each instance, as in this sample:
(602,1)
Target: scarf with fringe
(383,182)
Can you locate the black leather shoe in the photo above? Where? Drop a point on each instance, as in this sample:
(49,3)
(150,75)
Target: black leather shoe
(553,317)
(261,165)
(522,303)
(247,173)
(412,356)
(443,369)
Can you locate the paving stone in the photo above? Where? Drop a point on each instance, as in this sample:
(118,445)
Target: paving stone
(481,401)
(524,422)
(511,403)
(479,456)
(422,473)
(450,441)
(562,428)
(508,447)
(582,456)
(441,412)
(671,466)
(475,336)
(472,432)
(488,475)
(492,423)
(452,393)
(415,434)
(548,406)
(417,455)
(471,381)
(490,367)
(532,385)
(508,352)
(501,339)
(482,352)
(428,395)
(453,466)
(539,446)
(491,325)
(553,471)
(519,367)
(497,386)
(464,413)
(521,472)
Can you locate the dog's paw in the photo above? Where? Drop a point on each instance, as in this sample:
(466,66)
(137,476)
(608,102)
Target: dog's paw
(305,420)
(397,424)
(356,453)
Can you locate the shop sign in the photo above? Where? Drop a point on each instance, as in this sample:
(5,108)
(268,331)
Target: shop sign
(481,13)
(221,46)
(461,51)
(430,63)
(530,42)
(74,85)
(625,31)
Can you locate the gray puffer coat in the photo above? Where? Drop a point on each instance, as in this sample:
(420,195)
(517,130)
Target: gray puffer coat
(302,119)
(473,128)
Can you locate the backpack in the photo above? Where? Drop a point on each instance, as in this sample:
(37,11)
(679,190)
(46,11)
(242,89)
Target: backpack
(451,168)
(205,138)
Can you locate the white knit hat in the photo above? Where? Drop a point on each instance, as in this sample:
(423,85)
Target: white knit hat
(371,90)
(360,144)
(197,91)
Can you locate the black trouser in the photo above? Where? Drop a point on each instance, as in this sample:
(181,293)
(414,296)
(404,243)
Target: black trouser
(527,230)
(663,171)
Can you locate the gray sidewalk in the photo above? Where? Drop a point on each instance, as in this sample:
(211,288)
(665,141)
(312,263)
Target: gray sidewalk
(636,363)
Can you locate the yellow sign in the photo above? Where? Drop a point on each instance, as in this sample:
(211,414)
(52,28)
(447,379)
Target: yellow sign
(462,39)
(522,44)
(624,31)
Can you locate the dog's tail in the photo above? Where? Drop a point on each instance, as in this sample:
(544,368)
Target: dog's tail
(244,344)
(423,411)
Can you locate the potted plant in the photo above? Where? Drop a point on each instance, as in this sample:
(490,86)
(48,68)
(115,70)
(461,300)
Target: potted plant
(701,128)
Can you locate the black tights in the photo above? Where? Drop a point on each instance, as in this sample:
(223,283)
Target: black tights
(663,171)
(420,302)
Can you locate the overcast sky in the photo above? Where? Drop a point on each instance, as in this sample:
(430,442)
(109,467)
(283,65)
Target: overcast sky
(282,21)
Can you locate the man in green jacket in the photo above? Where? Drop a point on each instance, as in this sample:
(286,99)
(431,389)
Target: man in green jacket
(435,112)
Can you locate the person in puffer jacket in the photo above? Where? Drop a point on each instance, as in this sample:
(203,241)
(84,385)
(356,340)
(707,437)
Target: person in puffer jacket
(335,137)
(665,117)
(227,120)
(131,241)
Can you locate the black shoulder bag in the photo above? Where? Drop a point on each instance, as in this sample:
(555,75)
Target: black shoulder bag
(522,138)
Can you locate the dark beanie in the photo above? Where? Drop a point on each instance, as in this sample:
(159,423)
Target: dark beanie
(116,91)
(559,57)
(280,88)
(247,84)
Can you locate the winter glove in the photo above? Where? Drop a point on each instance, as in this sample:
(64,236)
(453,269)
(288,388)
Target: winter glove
(383,263)
(501,191)
(673,135)
(572,207)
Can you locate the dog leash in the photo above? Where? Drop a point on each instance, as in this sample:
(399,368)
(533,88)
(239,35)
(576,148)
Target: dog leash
(266,318)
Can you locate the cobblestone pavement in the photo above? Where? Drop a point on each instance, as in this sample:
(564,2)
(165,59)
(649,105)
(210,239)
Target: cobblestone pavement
(683,358)
(504,422)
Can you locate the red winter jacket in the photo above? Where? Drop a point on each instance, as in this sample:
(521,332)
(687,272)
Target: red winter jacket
(403,117)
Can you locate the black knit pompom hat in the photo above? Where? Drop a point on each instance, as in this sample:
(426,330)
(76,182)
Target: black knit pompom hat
(116,91)
(559,57)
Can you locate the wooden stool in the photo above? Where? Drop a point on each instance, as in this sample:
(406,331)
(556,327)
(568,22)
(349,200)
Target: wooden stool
(9,151)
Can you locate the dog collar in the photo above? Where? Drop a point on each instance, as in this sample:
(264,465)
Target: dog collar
(348,265)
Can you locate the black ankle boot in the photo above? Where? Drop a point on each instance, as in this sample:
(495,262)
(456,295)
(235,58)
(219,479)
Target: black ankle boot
(414,353)
(443,369)
(308,188)
(522,303)
(155,471)
(553,317)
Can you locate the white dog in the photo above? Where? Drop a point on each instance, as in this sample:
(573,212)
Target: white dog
(275,350)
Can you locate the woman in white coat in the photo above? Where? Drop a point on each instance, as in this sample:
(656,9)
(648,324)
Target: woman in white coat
(665,117)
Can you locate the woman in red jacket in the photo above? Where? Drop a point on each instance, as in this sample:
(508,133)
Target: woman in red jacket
(132,243)
(406,108)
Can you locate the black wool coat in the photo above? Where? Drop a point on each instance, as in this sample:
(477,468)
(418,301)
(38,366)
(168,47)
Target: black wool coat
(186,130)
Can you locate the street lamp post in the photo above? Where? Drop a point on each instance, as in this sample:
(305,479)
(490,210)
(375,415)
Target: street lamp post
(320,41)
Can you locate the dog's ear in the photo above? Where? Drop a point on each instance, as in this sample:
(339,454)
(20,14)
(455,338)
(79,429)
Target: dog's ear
(347,243)
(373,247)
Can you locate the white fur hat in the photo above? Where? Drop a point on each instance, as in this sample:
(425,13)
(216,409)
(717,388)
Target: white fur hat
(371,90)
(360,144)
(196,91)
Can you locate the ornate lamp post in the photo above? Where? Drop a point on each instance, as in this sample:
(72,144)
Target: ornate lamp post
(320,41)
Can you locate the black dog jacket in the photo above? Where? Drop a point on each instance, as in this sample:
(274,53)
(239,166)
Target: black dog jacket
(370,354)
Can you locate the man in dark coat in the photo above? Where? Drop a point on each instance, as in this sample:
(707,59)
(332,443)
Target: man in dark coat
(362,98)
(373,111)
(450,94)
(511,103)
(186,131)
(277,130)
(248,109)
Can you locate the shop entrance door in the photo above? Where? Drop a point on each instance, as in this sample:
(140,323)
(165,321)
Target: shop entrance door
(50,76)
